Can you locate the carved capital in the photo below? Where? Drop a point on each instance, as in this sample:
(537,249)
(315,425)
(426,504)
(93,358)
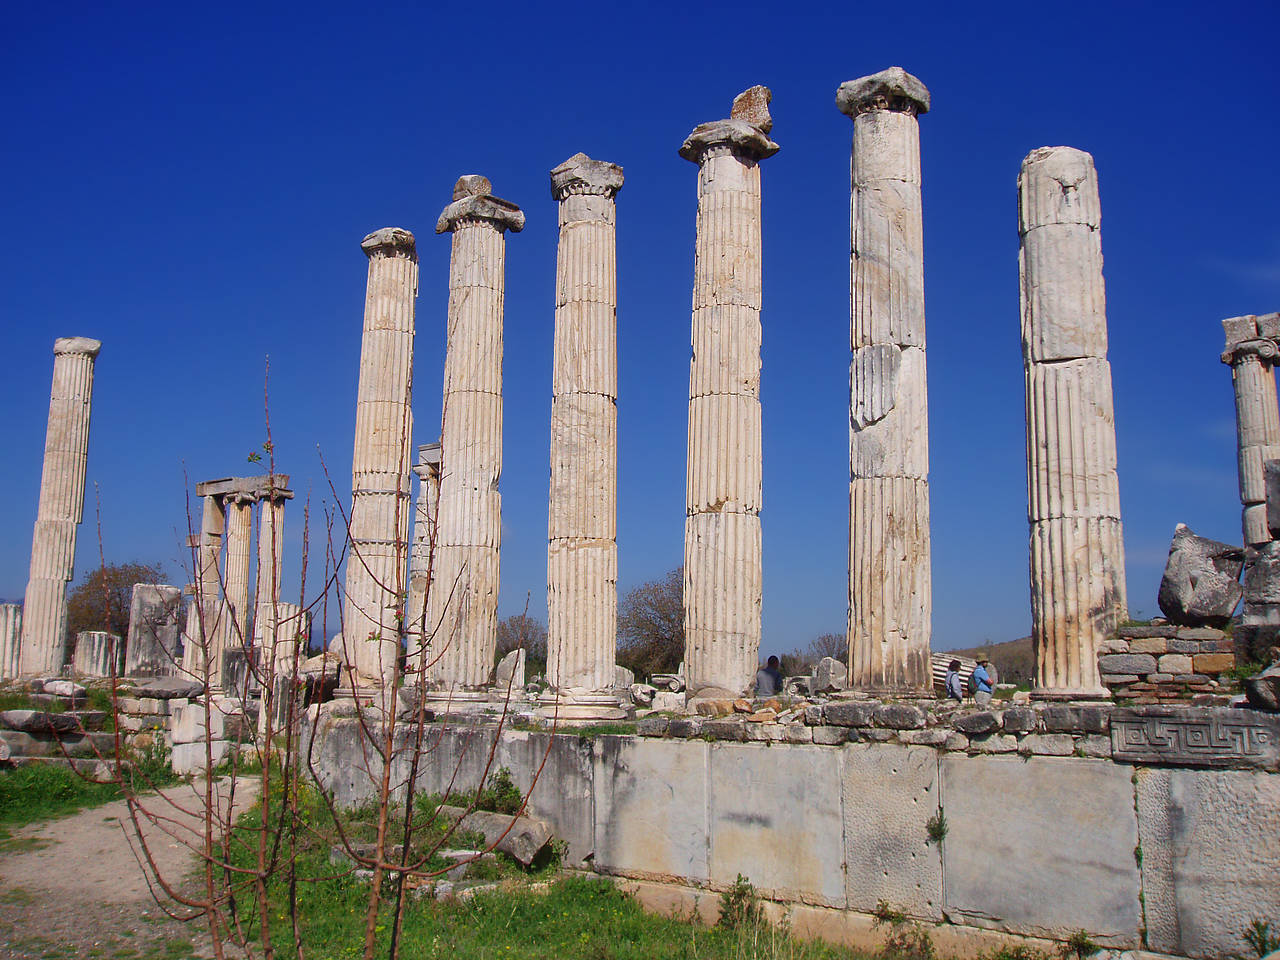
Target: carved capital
(1265,350)
(390,242)
(473,202)
(580,175)
(745,133)
(76,345)
(893,89)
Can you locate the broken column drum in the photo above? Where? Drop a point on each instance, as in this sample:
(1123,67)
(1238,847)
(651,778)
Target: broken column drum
(53,545)
(10,639)
(1073,493)
(469,526)
(423,602)
(1251,353)
(890,581)
(582,549)
(381,461)
(723,579)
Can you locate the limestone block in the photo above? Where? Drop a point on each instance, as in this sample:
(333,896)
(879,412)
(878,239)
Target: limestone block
(1047,745)
(754,795)
(1174,663)
(584,467)
(1071,467)
(651,808)
(888,420)
(889,793)
(192,758)
(1208,857)
(724,462)
(726,351)
(1023,855)
(189,724)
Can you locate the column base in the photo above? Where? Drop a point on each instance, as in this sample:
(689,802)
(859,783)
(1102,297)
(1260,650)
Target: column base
(1061,695)
(571,708)
(896,692)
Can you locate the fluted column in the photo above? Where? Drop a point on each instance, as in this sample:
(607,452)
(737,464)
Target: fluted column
(269,567)
(1251,353)
(420,614)
(206,625)
(10,639)
(380,467)
(890,581)
(469,530)
(1073,493)
(53,544)
(239,535)
(723,580)
(582,549)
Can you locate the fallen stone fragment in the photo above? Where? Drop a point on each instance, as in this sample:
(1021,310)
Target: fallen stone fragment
(1263,690)
(168,688)
(829,675)
(978,723)
(519,837)
(642,694)
(898,716)
(36,721)
(1200,587)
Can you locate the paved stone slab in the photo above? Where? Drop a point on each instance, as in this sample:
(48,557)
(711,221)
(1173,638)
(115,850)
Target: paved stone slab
(1210,863)
(1196,737)
(651,808)
(889,794)
(776,819)
(1024,854)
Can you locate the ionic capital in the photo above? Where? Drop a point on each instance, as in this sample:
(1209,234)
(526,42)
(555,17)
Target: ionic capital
(745,133)
(390,242)
(473,202)
(893,89)
(76,345)
(1265,350)
(580,175)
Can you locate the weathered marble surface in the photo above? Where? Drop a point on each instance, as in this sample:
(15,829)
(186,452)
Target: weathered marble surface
(1073,493)
(1251,352)
(155,623)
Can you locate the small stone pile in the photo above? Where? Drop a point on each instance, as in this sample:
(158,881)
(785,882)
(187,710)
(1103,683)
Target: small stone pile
(1160,662)
(69,735)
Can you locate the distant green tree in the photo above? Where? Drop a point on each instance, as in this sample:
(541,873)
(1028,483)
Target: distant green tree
(651,626)
(101,600)
(524,631)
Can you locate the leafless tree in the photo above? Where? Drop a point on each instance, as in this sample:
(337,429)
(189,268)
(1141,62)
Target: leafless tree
(651,626)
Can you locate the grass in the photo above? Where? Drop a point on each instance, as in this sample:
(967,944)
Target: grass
(40,791)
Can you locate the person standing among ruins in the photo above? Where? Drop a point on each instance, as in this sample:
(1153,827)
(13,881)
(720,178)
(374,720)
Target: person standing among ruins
(955,691)
(769,679)
(982,683)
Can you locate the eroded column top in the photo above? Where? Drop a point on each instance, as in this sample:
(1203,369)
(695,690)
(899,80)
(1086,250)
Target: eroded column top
(745,132)
(78,345)
(893,89)
(1058,185)
(390,242)
(430,456)
(1251,335)
(582,176)
(473,200)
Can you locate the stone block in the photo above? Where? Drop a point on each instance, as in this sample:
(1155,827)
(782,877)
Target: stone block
(685,726)
(899,716)
(976,724)
(189,726)
(1200,633)
(1143,630)
(813,714)
(1094,745)
(562,795)
(652,726)
(930,737)
(1023,854)
(1047,745)
(1159,677)
(850,713)
(1139,663)
(889,794)
(723,729)
(666,700)
(1019,720)
(1184,646)
(832,735)
(1208,858)
(1061,718)
(651,808)
(1174,663)
(1118,679)
(1213,662)
(190,757)
(1196,737)
(1156,645)
(755,794)
(994,743)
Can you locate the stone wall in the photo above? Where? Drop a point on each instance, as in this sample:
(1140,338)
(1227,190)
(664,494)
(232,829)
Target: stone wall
(1160,662)
(1161,852)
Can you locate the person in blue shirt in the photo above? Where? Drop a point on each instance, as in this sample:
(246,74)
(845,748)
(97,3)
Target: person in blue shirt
(954,689)
(769,679)
(981,683)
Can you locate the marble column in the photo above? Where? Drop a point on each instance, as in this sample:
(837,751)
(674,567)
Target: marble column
(469,527)
(423,600)
(582,548)
(239,538)
(10,639)
(53,545)
(1073,494)
(723,580)
(269,567)
(890,582)
(97,654)
(1251,353)
(205,633)
(380,469)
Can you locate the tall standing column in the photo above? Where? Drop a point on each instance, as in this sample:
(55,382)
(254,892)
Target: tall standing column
(723,578)
(469,530)
(582,548)
(890,582)
(53,544)
(239,533)
(379,534)
(269,567)
(423,600)
(1251,353)
(1073,493)
(10,639)
(206,620)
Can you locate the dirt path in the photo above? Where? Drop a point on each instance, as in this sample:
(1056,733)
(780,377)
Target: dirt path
(73,887)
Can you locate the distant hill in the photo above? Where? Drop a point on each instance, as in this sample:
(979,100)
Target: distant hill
(1013,659)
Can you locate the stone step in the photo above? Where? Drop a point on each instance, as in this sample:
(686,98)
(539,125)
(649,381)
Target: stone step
(92,744)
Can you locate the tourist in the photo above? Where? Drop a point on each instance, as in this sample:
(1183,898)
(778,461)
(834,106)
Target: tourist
(769,679)
(954,690)
(981,683)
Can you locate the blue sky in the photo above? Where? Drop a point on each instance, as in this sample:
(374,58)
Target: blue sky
(190,185)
